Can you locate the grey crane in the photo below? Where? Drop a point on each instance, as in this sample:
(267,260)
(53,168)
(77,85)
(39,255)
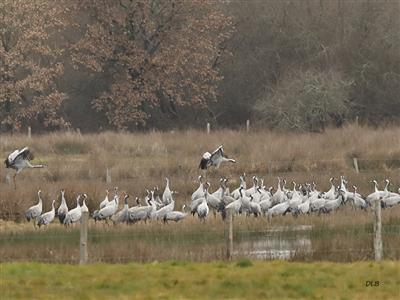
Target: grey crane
(202,209)
(392,200)
(84,208)
(253,189)
(105,202)
(304,207)
(332,205)
(47,217)
(377,195)
(279,196)
(167,194)
(255,207)
(20,160)
(122,216)
(107,211)
(195,204)
(279,209)
(358,201)
(74,215)
(63,209)
(235,207)
(142,213)
(175,215)
(389,193)
(34,212)
(214,159)
(331,194)
(165,209)
(235,193)
(199,192)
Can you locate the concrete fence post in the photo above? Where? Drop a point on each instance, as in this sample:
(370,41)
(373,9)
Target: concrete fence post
(247,125)
(229,240)
(83,238)
(208,128)
(29,132)
(378,248)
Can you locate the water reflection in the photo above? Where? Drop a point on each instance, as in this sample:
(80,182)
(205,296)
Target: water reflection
(275,244)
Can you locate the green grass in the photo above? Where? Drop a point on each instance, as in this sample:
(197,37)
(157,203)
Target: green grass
(217,280)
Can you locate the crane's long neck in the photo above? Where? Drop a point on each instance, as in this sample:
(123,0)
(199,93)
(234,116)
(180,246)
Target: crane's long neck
(167,183)
(242,182)
(387,185)
(376,186)
(33,166)
(222,191)
(343,186)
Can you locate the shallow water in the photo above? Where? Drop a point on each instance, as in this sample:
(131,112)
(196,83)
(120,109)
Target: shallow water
(130,243)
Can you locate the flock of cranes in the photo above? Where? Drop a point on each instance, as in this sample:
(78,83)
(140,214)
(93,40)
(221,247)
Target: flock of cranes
(302,199)
(256,201)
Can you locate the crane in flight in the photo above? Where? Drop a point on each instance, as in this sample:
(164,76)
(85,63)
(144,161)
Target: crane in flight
(20,160)
(214,159)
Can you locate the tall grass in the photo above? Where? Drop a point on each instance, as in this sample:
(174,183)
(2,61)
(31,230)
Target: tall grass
(142,160)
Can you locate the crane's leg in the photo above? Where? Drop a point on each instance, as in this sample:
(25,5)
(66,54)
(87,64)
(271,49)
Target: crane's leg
(15,180)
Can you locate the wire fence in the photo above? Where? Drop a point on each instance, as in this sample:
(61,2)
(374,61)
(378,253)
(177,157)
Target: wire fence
(216,240)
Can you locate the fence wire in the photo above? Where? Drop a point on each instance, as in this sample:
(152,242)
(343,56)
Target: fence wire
(336,243)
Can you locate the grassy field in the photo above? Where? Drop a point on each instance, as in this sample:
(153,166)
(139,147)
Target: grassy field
(142,160)
(138,161)
(217,280)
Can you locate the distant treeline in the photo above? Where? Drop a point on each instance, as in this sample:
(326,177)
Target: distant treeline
(140,64)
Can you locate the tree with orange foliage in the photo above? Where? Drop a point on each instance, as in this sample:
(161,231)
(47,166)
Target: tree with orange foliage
(29,63)
(161,53)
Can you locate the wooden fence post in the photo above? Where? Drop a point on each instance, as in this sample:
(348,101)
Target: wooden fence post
(378,230)
(208,128)
(229,241)
(29,132)
(355,162)
(108,175)
(83,238)
(247,125)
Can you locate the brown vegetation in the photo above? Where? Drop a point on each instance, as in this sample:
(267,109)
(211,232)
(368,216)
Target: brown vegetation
(78,164)
(139,161)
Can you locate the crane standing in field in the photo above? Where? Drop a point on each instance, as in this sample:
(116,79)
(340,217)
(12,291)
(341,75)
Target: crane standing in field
(35,211)
(47,217)
(19,160)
